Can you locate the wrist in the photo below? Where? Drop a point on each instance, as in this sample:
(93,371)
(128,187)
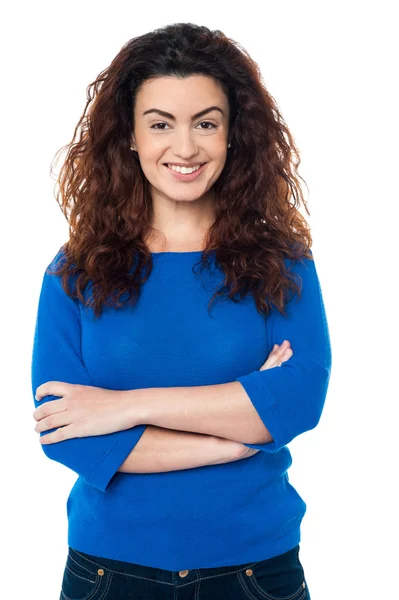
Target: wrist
(137,406)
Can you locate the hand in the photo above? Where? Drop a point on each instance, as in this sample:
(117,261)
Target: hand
(82,411)
(277,356)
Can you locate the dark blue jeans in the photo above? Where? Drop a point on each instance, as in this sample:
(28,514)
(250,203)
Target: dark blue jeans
(88,577)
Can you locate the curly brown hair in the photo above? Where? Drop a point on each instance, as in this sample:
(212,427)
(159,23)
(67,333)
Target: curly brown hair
(106,198)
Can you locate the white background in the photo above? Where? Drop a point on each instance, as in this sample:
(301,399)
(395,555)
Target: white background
(332,67)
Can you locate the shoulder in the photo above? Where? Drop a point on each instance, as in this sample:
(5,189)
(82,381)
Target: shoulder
(58,258)
(53,282)
(304,267)
(304,273)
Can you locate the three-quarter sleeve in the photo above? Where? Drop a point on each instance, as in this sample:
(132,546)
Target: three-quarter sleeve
(56,356)
(290,399)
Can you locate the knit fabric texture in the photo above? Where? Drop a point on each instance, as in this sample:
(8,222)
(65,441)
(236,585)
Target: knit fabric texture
(210,516)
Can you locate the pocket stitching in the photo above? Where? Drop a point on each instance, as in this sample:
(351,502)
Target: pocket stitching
(97,582)
(79,565)
(245,587)
(268,596)
(80,576)
(88,597)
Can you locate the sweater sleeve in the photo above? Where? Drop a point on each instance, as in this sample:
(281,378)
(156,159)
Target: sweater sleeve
(290,399)
(56,356)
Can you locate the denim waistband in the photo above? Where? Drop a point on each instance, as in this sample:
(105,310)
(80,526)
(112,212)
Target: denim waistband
(94,563)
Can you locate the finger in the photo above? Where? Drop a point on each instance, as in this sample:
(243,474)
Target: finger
(52,421)
(279,354)
(285,344)
(275,349)
(49,408)
(59,435)
(271,362)
(285,347)
(281,357)
(286,355)
(52,388)
(274,356)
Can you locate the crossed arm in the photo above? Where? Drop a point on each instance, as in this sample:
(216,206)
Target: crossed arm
(186,426)
(160,450)
(193,426)
(202,423)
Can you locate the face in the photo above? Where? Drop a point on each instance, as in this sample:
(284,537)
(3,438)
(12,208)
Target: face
(182,136)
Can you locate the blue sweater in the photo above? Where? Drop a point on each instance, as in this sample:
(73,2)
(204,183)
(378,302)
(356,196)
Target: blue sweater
(209,516)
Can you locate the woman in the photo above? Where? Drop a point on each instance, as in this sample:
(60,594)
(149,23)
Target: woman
(155,394)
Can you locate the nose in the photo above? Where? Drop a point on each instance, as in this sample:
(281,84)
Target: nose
(184,145)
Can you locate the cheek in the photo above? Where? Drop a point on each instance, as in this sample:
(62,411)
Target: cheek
(220,163)
(150,161)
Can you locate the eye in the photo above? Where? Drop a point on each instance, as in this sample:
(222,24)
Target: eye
(155,126)
(209,123)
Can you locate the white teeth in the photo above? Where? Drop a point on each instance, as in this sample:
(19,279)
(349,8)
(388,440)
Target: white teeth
(184,170)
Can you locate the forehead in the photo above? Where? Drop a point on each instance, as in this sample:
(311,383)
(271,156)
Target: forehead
(180,95)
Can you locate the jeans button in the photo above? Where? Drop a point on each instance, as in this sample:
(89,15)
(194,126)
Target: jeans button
(183,573)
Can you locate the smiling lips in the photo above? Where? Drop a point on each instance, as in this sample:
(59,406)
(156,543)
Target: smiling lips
(183,168)
(181,174)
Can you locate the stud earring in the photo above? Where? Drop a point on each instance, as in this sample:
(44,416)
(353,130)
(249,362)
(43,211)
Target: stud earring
(229,145)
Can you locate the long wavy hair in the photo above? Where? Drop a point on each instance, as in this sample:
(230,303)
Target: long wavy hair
(105,196)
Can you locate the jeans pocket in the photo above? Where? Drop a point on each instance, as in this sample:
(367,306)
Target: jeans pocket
(80,581)
(257,592)
(277,579)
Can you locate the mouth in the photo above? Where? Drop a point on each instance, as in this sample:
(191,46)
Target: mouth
(186,176)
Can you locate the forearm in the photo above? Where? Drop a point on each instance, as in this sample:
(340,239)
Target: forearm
(160,450)
(223,410)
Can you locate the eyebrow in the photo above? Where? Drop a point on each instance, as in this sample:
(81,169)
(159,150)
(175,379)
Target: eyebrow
(170,116)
